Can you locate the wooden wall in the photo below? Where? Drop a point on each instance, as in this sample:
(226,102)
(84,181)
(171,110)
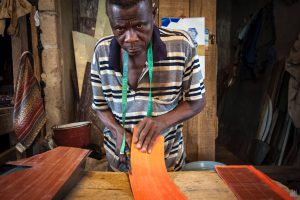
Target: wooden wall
(199,132)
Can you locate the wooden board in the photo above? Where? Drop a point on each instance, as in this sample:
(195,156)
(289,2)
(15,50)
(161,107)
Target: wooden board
(102,24)
(115,185)
(51,175)
(249,183)
(84,46)
(149,178)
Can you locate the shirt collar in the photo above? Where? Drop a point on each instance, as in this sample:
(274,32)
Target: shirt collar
(159,50)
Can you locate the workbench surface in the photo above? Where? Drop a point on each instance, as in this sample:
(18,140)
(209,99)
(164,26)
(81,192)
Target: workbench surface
(115,185)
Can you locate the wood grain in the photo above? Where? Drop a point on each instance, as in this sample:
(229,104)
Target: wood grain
(115,185)
(50,176)
(202,129)
(149,179)
(173,8)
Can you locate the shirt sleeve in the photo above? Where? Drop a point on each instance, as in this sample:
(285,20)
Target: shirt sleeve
(193,82)
(99,102)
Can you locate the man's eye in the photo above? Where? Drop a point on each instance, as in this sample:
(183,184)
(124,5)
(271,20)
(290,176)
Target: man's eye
(139,26)
(119,29)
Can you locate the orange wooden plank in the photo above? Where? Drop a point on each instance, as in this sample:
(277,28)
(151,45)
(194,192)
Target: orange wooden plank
(149,178)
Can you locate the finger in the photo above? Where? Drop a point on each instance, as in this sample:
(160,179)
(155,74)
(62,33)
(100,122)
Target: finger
(128,139)
(143,134)
(139,127)
(152,142)
(148,139)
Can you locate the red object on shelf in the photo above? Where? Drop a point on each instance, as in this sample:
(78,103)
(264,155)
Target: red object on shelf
(246,182)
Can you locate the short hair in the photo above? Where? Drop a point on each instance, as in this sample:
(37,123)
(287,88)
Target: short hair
(125,3)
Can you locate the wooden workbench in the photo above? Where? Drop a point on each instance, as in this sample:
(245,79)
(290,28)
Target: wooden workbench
(114,185)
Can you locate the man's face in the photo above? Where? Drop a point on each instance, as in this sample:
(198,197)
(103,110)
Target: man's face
(132,26)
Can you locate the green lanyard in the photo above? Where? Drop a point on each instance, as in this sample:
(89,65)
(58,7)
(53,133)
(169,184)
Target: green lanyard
(125,84)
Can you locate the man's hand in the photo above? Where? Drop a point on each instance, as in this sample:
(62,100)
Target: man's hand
(147,131)
(119,139)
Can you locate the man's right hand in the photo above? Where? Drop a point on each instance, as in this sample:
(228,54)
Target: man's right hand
(116,129)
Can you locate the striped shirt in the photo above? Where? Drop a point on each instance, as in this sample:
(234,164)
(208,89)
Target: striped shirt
(176,77)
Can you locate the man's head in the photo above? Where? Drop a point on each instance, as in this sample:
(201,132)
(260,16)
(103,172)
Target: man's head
(132,23)
(126,3)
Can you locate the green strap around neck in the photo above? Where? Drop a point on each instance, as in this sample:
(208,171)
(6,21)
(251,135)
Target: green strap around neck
(125,85)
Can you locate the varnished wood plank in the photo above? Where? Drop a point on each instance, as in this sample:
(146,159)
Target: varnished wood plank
(149,178)
(115,185)
(51,173)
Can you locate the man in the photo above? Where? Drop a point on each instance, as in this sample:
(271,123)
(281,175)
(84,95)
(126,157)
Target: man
(176,87)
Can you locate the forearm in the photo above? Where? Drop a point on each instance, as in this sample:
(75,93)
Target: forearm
(182,112)
(109,121)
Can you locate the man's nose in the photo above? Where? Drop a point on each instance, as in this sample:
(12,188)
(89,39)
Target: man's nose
(131,36)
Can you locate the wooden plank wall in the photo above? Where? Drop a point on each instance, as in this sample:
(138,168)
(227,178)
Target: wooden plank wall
(200,131)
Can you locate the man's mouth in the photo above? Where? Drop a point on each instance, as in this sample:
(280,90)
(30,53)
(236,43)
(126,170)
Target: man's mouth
(132,50)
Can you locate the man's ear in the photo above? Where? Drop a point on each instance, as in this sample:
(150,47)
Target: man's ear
(154,12)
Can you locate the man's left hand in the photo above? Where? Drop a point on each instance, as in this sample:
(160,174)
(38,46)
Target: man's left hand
(147,132)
